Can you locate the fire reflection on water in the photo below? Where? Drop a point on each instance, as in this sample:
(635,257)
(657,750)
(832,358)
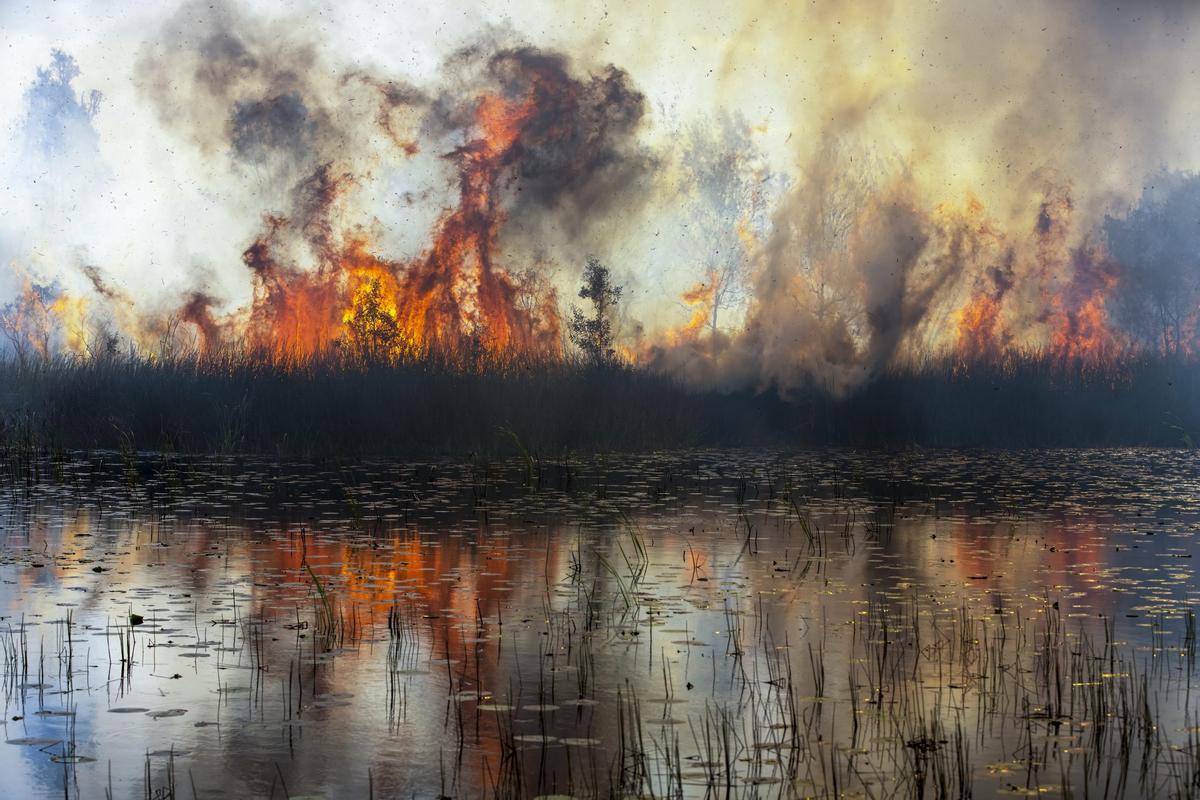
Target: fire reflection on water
(666,624)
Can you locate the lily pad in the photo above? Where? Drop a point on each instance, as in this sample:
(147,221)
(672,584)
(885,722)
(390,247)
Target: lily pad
(170,712)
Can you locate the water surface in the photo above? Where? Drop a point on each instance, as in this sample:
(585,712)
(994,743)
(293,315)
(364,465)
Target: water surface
(685,624)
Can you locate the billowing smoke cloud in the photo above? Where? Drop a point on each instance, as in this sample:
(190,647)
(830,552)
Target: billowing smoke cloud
(953,166)
(264,96)
(516,130)
(948,174)
(281,123)
(578,146)
(578,155)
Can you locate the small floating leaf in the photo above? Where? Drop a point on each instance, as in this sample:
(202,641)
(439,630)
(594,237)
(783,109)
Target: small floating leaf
(170,712)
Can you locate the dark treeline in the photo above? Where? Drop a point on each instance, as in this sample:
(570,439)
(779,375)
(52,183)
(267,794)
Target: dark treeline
(323,410)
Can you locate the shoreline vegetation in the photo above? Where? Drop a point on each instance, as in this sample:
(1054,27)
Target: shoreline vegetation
(335,407)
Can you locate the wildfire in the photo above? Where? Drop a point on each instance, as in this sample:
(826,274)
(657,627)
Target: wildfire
(746,235)
(295,313)
(1084,333)
(980,336)
(1072,284)
(699,299)
(889,275)
(1082,330)
(454,299)
(70,313)
(43,320)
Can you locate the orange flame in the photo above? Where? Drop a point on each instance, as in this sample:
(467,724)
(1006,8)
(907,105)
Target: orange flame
(454,299)
(1073,285)
(1082,330)
(42,321)
(699,299)
(1083,333)
(980,335)
(70,313)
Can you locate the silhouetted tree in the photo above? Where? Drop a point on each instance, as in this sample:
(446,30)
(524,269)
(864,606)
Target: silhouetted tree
(731,188)
(26,324)
(371,332)
(57,119)
(1158,244)
(592,333)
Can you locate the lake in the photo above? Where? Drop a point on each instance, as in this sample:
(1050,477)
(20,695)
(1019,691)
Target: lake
(684,624)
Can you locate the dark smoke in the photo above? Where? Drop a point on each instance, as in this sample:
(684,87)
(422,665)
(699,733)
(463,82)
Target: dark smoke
(578,156)
(312,206)
(396,100)
(255,90)
(100,283)
(197,309)
(580,143)
(260,128)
